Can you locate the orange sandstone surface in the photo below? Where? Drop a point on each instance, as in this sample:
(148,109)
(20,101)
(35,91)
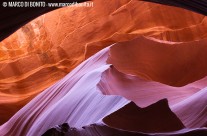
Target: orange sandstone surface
(46,49)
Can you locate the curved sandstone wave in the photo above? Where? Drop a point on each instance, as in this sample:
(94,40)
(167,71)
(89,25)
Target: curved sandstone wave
(175,64)
(77,100)
(193,111)
(77,92)
(46,49)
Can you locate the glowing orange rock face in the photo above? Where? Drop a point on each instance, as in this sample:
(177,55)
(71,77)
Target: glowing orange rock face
(46,49)
(175,64)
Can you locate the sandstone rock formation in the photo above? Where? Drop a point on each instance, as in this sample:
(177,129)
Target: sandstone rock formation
(79,65)
(46,49)
(87,95)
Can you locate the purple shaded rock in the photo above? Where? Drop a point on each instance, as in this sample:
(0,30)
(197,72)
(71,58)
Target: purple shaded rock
(103,130)
(155,118)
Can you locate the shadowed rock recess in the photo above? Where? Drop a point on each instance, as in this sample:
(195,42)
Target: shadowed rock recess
(118,68)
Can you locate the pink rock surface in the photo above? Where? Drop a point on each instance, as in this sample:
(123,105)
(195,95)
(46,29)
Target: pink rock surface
(47,48)
(86,95)
(74,99)
(159,52)
(193,111)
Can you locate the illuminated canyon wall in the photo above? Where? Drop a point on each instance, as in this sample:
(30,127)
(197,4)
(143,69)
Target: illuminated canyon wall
(160,52)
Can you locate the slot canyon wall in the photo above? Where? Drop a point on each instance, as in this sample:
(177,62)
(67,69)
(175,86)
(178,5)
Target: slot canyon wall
(161,48)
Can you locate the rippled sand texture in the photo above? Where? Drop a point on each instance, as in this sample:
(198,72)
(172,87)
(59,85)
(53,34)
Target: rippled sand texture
(46,49)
